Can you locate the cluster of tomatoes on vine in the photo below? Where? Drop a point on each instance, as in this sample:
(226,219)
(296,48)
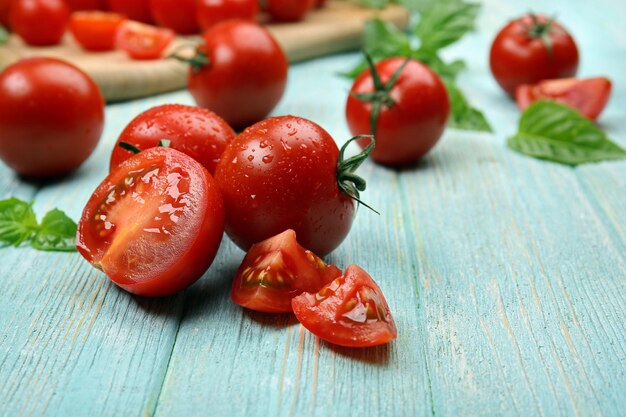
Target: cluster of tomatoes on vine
(142,28)
(281,189)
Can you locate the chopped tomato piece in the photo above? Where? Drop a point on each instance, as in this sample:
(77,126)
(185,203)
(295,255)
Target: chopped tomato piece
(95,31)
(350,311)
(142,41)
(276,270)
(588,96)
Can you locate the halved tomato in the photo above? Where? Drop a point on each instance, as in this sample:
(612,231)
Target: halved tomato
(276,270)
(141,41)
(154,224)
(95,31)
(588,96)
(350,311)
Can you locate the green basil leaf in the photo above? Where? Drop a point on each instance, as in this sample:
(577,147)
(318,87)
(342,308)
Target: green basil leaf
(447,71)
(443,23)
(57,233)
(377,4)
(462,114)
(555,132)
(17,221)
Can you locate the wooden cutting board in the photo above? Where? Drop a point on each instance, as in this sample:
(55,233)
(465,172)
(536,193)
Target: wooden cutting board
(335,28)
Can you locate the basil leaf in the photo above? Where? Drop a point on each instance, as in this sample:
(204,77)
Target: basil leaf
(444,23)
(555,132)
(57,233)
(447,71)
(377,4)
(17,221)
(462,114)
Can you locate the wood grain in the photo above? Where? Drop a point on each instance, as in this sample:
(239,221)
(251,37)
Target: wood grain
(506,276)
(335,28)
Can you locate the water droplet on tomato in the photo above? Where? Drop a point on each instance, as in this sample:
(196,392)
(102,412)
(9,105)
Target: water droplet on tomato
(268,158)
(250,158)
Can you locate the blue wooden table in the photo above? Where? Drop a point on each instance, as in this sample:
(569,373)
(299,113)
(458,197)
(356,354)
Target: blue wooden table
(506,276)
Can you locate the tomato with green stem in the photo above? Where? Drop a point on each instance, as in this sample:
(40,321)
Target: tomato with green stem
(530,49)
(154,224)
(276,270)
(287,173)
(351,311)
(199,133)
(404,104)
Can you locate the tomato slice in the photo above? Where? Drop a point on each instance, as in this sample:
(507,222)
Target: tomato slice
(95,31)
(276,270)
(588,96)
(142,41)
(350,311)
(154,224)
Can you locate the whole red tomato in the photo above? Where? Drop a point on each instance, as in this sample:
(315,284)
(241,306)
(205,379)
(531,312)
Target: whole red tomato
(210,12)
(51,117)
(26,18)
(178,15)
(289,10)
(412,115)
(5,6)
(285,173)
(138,10)
(85,5)
(530,49)
(154,224)
(240,72)
(197,132)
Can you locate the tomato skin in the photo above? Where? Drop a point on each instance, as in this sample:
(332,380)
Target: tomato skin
(281,174)
(178,15)
(276,270)
(85,5)
(588,96)
(328,315)
(51,117)
(138,10)
(131,237)
(143,42)
(246,76)
(289,10)
(26,17)
(211,12)
(5,7)
(197,132)
(516,58)
(411,127)
(95,31)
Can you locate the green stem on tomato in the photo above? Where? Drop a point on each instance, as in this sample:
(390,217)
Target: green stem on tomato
(349,182)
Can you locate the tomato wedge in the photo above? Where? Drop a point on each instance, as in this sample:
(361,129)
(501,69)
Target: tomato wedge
(350,311)
(588,96)
(95,31)
(143,42)
(154,224)
(276,270)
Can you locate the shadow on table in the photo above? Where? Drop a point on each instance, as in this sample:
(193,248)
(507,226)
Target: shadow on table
(276,320)
(377,355)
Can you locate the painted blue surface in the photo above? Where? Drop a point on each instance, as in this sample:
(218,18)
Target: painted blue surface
(506,277)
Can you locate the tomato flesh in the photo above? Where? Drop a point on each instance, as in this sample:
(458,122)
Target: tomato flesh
(143,42)
(95,31)
(276,270)
(154,224)
(350,311)
(588,96)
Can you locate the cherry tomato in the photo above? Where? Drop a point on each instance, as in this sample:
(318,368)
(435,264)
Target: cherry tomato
(51,117)
(154,224)
(199,133)
(412,116)
(289,10)
(26,18)
(276,270)
(210,12)
(143,42)
(5,7)
(589,96)
(95,31)
(85,5)
(178,15)
(350,311)
(530,49)
(138,10)
(285,173)
(243,74)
